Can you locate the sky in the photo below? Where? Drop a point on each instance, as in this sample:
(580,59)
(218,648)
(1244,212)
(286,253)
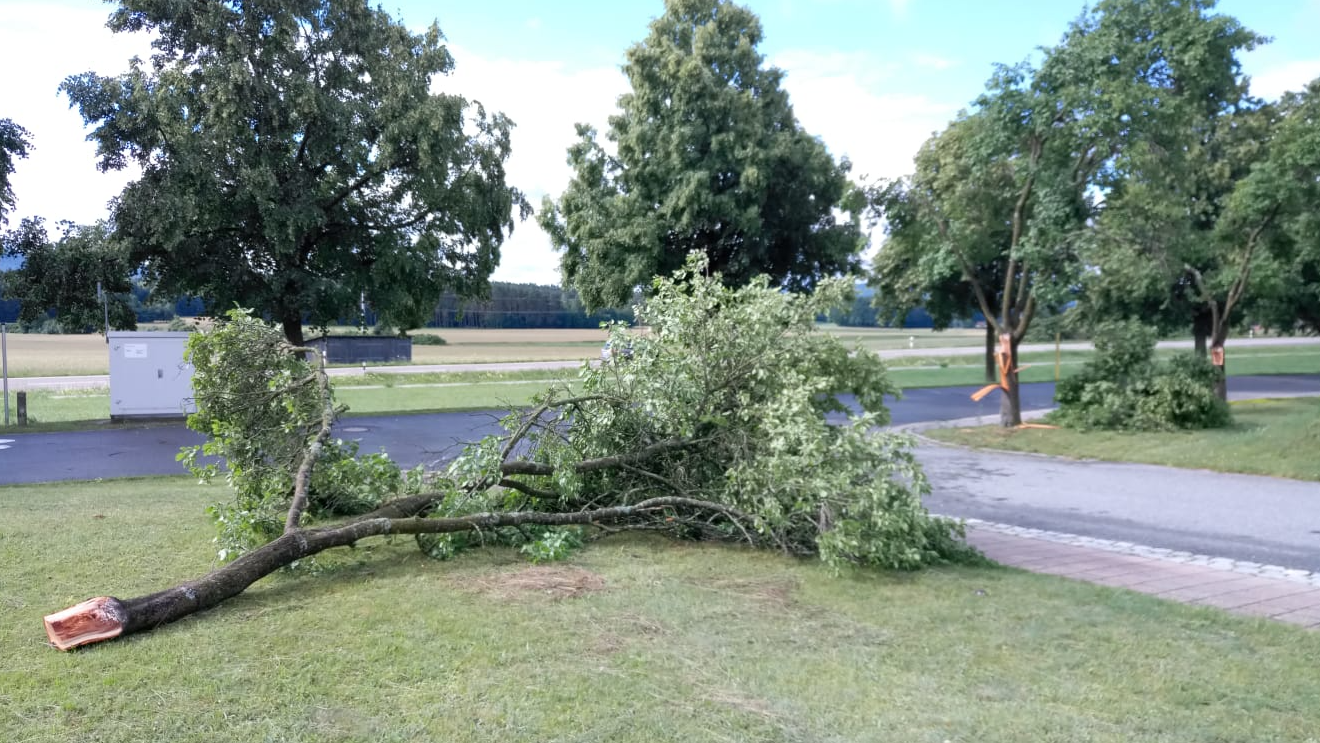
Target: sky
(872,78)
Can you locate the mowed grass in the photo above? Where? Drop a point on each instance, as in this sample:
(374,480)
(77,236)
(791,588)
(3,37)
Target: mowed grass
(632,639)
(1268,437)
(949,371)
(372,394)
(62,355)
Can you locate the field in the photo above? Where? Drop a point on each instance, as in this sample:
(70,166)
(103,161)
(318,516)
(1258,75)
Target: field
(395,393)
(632,639)
(1268,437)
(61,355)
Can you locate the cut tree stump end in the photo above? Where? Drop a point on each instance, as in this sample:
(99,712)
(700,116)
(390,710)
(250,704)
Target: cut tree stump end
(94,620)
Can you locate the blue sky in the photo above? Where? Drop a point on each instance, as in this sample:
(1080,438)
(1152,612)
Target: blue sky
(872,78)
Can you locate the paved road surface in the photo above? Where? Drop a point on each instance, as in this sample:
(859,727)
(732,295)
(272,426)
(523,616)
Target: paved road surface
(410,439)
(1262,519)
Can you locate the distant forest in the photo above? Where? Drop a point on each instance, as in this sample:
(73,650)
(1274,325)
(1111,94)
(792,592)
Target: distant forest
(509,306)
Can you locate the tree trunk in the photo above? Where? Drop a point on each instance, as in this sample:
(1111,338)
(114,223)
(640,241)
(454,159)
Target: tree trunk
(107,617)
(291,324)
(1201,330)
(990,373)
(1010,402)
(1217,339)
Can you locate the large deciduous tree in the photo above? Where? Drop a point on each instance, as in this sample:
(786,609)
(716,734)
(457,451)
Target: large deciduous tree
(1155,251)
(294,158)
(707,156)
(63,277)
(14,145)
(1271,223)
(914,267)
(1044,143)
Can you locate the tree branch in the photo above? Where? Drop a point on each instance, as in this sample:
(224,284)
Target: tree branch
(106,617)
(302,481)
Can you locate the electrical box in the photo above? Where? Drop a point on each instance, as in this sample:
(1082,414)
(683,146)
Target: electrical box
(148,376)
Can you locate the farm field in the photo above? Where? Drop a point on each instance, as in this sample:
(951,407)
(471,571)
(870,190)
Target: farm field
(33,355)
(631,639)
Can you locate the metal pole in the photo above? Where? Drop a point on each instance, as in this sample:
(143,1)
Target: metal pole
(4,365)
(105,307)
(1058,353)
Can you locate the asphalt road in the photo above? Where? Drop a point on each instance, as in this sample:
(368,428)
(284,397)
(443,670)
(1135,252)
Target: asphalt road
(1268,520)
(429,438)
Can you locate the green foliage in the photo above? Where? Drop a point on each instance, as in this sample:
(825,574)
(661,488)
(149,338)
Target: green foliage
(427,339)
(709,157)
(728,405)
(14,145)
(295,158)
(1001,209)
(1123,387)
(260,405)
(730,390)
(180,325)
(1282,192)
(61,277)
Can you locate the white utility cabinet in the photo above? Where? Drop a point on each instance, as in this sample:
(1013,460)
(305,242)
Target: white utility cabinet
(148,377)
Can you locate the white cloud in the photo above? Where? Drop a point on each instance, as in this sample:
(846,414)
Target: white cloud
(838,97)
(1288,77)
(41,45)
(879,132)
(545,100)
(934,62)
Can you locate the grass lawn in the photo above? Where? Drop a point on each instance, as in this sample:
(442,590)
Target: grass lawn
(631,640)
(371,394)
(1268,437)
(948,371)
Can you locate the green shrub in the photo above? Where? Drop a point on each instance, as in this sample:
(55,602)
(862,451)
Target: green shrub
(1123,387)
(259,406)
(427,339)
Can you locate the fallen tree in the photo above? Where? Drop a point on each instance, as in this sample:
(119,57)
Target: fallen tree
(714,428)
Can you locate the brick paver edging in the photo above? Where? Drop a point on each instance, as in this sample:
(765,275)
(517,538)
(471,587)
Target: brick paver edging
(1240,587)
(1158,553)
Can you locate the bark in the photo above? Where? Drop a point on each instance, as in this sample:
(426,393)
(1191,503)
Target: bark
(291,324)
(1201,333)
(1010,402)
(990,372)
(107,617)
(1217,357)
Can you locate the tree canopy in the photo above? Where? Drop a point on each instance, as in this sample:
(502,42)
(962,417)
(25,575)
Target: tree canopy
(14,145)
(1156,235)
(62,277)
(1278,205)
(707,156)
(1010,191)
(295,159)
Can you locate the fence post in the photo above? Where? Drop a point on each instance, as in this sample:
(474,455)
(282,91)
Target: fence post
(22,407)
(4,365)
